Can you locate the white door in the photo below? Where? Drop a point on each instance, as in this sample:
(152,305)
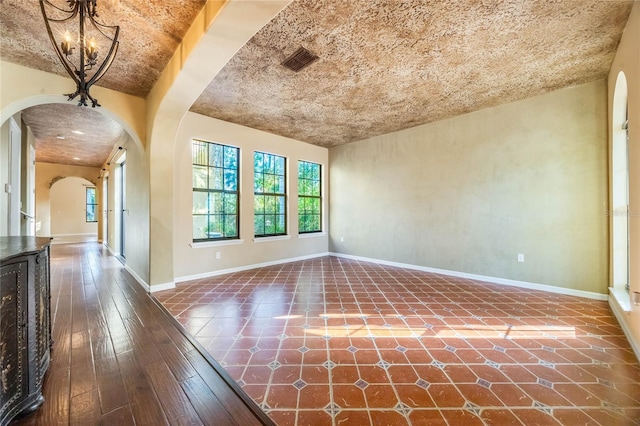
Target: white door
(15,145)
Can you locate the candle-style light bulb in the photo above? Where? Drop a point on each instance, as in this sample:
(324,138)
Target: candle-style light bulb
(66,44)
(92,50)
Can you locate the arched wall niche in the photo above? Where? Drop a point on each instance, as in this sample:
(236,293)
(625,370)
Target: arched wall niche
(620,184)
(68,204)
(48,176)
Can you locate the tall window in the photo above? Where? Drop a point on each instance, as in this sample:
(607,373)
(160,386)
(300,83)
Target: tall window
(309,197)
(270,213)
(215,191)
(92,205)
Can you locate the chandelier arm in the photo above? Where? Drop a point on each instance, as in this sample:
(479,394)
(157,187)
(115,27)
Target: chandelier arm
(98,26)
(73,95)
(73,15)
(62,10)
(108,60)
(94,102)
(112,51)
(82,9)
(61,56)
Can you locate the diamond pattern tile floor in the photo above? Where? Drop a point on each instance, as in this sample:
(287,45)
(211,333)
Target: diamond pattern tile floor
(343,342)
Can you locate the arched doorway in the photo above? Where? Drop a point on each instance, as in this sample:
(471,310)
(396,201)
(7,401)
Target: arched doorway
(620,185)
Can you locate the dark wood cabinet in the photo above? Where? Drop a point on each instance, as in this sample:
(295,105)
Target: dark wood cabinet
(25,324)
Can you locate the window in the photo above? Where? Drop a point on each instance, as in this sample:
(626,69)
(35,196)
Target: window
(92,205)
(215,191)
(309,197)
(270,217)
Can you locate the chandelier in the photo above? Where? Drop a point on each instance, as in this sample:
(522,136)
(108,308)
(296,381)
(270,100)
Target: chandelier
(88,65)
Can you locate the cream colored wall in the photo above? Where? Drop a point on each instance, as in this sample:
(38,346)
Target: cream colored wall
(27,184)
(627,60)
(46,174)
(192,261)
(221,28)
(468,194)
(68,209)
(137,208)
(4,177)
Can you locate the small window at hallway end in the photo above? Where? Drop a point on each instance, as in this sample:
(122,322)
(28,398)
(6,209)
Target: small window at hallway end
(92,205)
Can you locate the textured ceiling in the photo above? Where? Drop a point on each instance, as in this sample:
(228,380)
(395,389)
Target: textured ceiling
(150,32)
(384,65)
(50,121)
(390,65)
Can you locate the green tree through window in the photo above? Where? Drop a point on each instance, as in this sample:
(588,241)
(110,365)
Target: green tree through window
(215,191)
(270,195)
(92,205)
(309,197)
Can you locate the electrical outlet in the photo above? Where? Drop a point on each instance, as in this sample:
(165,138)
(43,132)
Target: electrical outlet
(342,239)
(218,255)
(520,257)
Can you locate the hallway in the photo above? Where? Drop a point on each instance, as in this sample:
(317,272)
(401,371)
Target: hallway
(118,359)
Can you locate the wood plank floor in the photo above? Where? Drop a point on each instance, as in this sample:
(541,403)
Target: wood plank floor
(119,359)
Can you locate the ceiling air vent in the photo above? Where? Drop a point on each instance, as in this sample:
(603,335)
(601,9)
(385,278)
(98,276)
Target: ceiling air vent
(300,59)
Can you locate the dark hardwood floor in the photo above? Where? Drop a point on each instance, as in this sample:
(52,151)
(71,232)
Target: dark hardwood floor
(119,359)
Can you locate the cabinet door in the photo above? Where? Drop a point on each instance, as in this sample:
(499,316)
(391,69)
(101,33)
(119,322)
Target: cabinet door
(41,292)
(13,279)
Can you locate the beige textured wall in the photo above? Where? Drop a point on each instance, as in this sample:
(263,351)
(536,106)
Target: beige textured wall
(469,193)
(628,60)
(192,261)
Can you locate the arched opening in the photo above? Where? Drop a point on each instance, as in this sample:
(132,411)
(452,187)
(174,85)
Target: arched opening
(620,185)
(73,210)
(131,122)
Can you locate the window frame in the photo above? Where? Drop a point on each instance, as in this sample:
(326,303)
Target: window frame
(306,196)
(94,204)
(282,194)
(209,211)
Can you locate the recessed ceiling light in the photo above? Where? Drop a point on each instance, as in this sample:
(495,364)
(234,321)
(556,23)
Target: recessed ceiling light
(76,158)
(60,137)
(77,132)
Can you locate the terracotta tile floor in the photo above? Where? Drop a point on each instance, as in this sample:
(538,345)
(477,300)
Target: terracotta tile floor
(331,341)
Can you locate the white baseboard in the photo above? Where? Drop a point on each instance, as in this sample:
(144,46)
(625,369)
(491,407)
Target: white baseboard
(149,288)
(494,280)
(137,277)
(161,287)
(622,310)
(246,267)
(111,252)
(85,234)
(73,238)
